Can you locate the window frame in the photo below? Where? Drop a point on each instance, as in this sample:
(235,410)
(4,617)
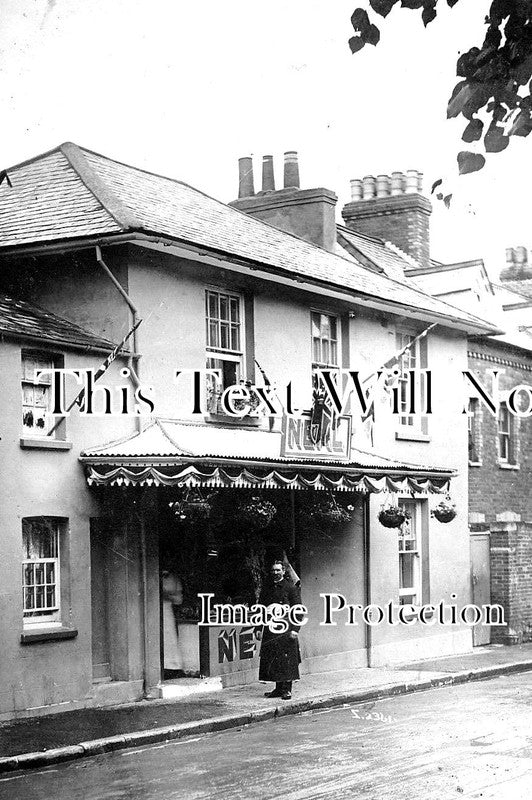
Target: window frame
(52,619)
(474,431)
(415,424)
(321,364)
(508,436)
(219,353)
(414,523)
(52,360)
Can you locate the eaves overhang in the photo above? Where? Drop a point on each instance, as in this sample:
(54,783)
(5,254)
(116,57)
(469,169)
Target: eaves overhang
(226,260)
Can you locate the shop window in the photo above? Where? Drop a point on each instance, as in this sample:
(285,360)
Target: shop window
(412,383)
(41,587)
(225,346)
(506,435)
(474,431)
(37,395)
(413,555)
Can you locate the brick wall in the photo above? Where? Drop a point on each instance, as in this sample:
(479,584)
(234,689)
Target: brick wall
(493,486)
(511,579)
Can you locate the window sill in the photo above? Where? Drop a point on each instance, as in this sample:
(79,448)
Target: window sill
(44,444)
(412,436)
(475,463)
(505,465)
(34,635)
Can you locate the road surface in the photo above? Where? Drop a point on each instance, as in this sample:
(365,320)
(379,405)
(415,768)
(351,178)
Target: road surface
(468,741)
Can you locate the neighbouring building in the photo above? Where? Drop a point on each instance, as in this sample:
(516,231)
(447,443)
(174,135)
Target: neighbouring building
(500,440)
(182,491)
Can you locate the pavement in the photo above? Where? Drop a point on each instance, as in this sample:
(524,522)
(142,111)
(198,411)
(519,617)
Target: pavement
(40,741)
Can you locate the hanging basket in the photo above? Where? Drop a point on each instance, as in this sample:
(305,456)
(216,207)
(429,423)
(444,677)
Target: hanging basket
(327,512)
(445,511)
(256,513)
(194,507)
(393,516)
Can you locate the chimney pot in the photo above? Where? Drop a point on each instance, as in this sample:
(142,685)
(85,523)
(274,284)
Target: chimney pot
(291,170)
(245,177)
(368,183)
(397,183)
(268,179)
(411,181)
(420,182)
(510,255)
(521,255)
(356,189)
(383,185)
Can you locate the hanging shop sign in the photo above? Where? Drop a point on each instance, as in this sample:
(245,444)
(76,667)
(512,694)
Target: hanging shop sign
(300,439)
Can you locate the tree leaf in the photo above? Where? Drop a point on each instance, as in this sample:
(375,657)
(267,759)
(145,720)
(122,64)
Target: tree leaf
(382,7)
(452,3)
(435,185)
(428,15)
(372,35)
(469,162)
(473,131)
(359,19)
(495,139)
(447,200)
(522,124)
(356,43)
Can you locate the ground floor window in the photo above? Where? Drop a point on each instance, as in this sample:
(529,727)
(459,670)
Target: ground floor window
(41,591)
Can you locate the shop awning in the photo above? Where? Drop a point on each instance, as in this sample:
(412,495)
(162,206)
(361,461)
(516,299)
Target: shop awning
(181,454)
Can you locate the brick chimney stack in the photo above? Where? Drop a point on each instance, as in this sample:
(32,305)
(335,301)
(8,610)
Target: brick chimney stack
(392,208)
(308,213)
(517,266)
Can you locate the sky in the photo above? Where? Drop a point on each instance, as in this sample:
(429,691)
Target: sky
(186,88)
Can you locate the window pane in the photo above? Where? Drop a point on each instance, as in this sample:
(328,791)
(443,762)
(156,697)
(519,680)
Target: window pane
(406,579)
(234,310)
(28,599)
(224,307)
(235,337)
(213,305)
(224,336)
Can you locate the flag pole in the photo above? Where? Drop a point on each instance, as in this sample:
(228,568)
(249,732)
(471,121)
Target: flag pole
(98,374)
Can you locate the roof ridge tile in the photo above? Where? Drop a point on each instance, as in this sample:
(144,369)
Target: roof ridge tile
(122,215)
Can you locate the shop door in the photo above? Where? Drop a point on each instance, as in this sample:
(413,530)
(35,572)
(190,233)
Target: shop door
(480,580)
(101,659)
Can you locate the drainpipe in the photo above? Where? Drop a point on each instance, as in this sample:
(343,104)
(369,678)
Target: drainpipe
(133,361)
(367,574)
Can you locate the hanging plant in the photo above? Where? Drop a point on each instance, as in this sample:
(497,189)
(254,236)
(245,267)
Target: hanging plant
(327,511)
(445,511)
(393,516)
(193,507)
(256,512)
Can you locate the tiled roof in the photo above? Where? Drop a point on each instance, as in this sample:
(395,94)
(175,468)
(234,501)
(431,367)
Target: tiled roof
(382,254)
(72,192)
(523,287)
(165,440)
(21,319)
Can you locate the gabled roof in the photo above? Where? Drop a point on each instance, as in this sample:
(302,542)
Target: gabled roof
(72,193)
(19,319)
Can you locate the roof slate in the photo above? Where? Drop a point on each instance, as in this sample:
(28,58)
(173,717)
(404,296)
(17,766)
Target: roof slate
(21,319)
(72,192)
